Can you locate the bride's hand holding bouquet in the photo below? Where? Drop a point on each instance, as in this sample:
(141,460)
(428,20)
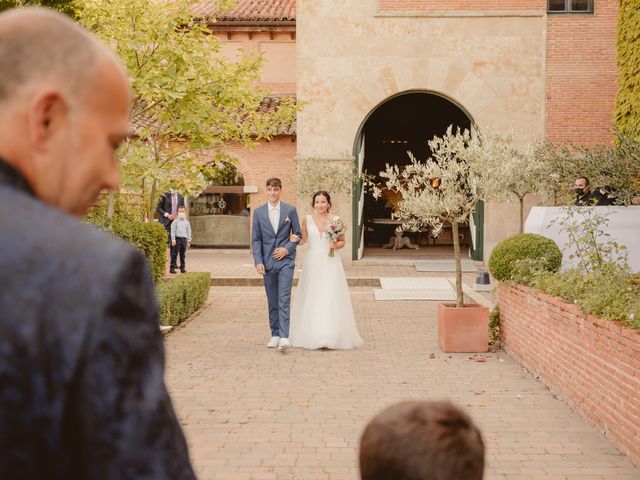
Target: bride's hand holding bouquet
(335,229)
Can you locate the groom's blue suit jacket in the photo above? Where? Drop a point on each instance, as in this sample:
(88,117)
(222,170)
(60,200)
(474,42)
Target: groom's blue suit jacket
(264,240)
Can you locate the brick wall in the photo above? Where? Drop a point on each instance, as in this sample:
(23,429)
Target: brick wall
(591,363)
(269,159)
(581,75)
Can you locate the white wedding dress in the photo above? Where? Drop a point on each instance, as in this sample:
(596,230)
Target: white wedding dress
(321,313)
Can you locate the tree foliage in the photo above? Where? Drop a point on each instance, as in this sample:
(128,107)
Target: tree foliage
(442,189)
(65,6)
(615,168)
(627,108)
(508,168)
(333,176)
(189,101)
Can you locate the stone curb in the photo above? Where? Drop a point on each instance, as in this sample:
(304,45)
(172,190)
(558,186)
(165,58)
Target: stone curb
(257,282)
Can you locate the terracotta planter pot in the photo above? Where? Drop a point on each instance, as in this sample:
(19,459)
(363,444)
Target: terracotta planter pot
(463,329)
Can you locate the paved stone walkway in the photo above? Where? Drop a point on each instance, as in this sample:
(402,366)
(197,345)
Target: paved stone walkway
(254,413)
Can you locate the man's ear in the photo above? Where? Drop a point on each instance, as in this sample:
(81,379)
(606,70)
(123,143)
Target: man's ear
(48,115)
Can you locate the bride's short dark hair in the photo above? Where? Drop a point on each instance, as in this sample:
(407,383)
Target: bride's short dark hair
(325,195)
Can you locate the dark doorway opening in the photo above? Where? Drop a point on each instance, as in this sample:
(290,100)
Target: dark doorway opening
(405,123)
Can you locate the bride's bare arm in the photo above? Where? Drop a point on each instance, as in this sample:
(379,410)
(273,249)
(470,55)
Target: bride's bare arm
(300,240)
(304,232)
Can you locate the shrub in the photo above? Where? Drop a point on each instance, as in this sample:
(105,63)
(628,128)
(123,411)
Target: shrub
(179,297)
(608,292)
(520,247)
(150,238)
(494,327)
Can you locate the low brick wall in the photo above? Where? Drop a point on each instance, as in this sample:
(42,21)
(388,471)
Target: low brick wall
(591,363)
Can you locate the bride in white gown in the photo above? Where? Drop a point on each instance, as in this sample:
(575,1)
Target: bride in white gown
(321,313)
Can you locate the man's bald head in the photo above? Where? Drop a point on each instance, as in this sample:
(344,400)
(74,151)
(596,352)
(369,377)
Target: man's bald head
(64,107)
(38,45)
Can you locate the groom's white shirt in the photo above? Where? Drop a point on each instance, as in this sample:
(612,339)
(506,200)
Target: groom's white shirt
(274,216)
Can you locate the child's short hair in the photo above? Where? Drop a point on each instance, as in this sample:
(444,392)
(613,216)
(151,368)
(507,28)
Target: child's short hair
(182,207)
(421,441)
(274,183)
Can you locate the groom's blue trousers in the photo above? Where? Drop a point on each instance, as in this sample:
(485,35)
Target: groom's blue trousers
(277,283)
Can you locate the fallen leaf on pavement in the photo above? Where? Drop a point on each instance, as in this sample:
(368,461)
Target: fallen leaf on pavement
(478,358)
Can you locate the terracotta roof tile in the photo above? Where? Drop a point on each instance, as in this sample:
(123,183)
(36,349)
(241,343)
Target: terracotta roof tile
(270,104)
(251,10)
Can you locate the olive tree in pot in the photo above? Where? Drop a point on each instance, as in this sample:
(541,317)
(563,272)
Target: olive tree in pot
(443,189)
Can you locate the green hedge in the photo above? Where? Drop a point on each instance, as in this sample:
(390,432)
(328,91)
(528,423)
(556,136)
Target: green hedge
(150,238)
(520,247)
(180,296)
(607,292)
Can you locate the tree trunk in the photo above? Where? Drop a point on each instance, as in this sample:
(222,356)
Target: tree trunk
(456,254)
(152,198)
(521,214)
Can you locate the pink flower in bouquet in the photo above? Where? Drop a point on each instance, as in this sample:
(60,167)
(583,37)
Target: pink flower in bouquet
(334,228)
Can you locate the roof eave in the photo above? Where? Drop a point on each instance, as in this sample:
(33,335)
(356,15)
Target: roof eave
(253,23)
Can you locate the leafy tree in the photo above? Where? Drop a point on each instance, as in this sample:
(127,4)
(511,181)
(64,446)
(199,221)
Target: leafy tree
(334,176)
(64,6)
(189,101)
(616,168)
(442,189)
(507,169)
(223,173)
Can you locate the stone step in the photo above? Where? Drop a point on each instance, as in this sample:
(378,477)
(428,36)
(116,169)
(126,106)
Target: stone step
(257,282)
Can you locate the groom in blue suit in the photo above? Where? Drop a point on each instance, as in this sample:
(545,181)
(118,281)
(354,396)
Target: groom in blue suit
(275,257)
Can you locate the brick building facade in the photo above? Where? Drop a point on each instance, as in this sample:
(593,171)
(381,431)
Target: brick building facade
(505,64)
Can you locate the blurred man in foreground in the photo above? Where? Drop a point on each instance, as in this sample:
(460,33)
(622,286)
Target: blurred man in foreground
(82,394)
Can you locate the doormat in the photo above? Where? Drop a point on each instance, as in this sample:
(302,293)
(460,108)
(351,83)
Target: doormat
(414,283)
(423,294)
(412,288)
(444,266)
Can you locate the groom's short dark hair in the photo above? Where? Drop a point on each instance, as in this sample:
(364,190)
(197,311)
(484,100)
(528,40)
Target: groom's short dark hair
(274,182)
(421,440)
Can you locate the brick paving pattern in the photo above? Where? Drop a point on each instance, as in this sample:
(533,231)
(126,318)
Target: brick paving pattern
(254,413)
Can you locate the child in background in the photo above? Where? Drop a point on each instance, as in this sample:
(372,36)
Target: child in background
(180,240)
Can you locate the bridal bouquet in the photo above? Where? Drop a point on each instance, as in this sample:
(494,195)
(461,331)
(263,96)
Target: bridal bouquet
(334,229)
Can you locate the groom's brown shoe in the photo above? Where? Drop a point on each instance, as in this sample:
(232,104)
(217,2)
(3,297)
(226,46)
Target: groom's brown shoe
(284,344)
(274,342)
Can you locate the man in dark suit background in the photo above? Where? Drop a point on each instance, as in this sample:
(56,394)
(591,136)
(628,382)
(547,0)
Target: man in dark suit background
(167,209)
(82,394)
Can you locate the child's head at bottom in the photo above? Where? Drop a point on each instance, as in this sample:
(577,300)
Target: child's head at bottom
(421,441)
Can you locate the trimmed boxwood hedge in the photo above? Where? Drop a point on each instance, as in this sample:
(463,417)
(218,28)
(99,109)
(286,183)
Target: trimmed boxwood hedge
(180,296)
(150,238)
(520,247)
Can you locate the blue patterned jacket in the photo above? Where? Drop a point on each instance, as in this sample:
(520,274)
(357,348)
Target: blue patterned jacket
(82,394)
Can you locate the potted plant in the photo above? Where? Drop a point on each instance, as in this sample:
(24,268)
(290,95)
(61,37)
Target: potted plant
(443,189)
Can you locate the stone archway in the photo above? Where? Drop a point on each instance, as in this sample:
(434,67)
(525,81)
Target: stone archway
(403,122)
